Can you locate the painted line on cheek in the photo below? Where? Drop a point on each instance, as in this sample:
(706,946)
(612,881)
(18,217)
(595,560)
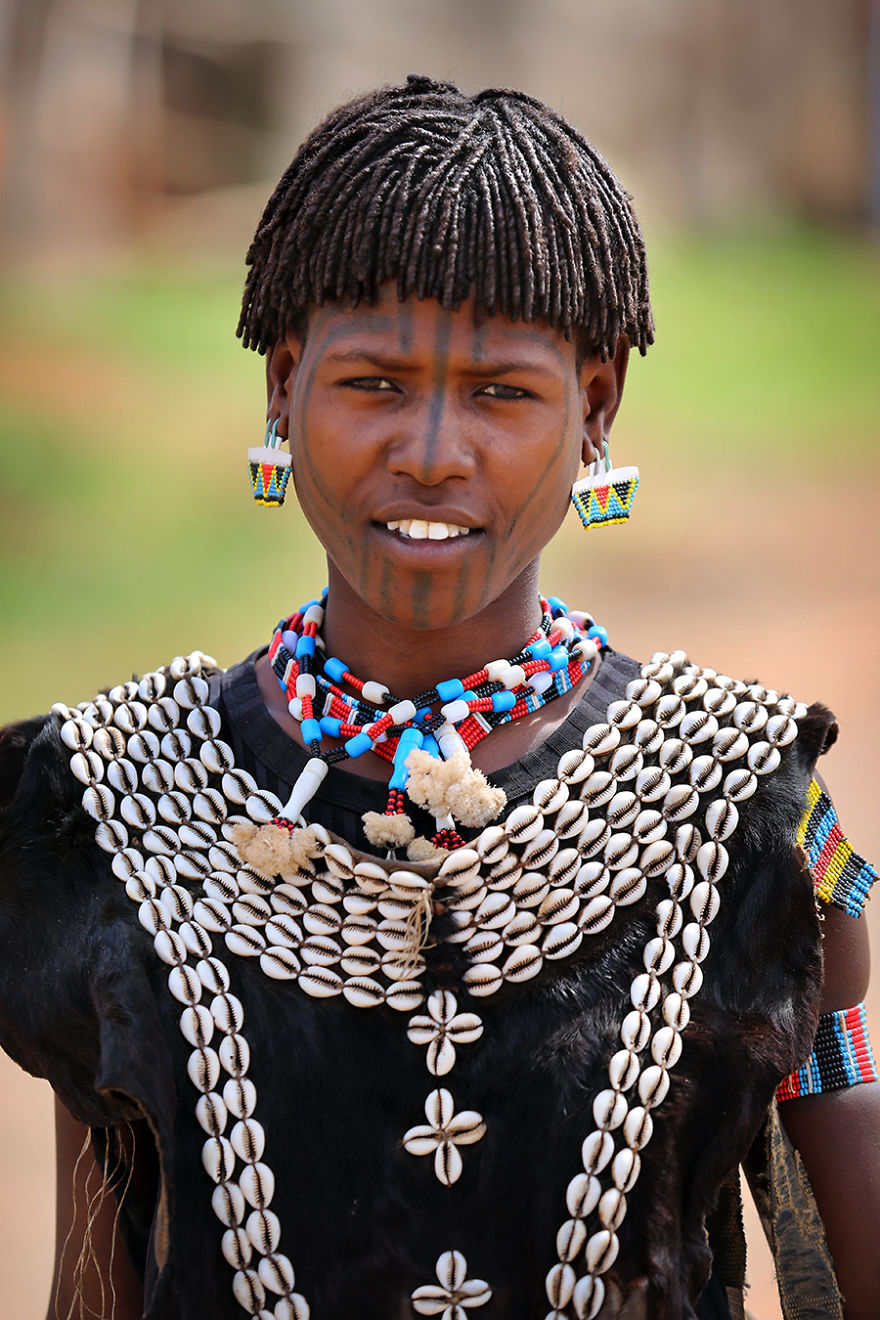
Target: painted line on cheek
(461,589)
(537,499)
(385,594)
(419,597)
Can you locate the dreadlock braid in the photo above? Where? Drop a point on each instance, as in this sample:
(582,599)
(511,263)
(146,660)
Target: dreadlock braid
(493,196)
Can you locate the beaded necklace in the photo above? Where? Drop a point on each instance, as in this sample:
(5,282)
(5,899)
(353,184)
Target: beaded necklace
(429,750)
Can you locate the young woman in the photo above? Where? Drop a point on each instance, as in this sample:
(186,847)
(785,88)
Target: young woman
(440,960)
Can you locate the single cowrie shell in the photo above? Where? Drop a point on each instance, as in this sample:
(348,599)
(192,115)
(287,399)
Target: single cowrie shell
(652,784)
(320,982)
(158,776)
(406,996)
(676,1013)
(687,842)
(763,758)
(570,1239)
(638,1127)
(523,963)
(625,1169)
(538,851)
(583,1192)
(653,1086)
(623,1070)
(248,1139)
(218,1159)
(646,691)
(620,852)
(363,992)
(130,716)
(562,940)
(153,916)
(319,919)
(280,963)
(559,1285)
(596,914)
(245,941)
(687,977)
(126,862)
(571,818)
(712,861)
(111,836)
(649,827)
(624,714)
(276,1273)
(635,1030)
(240,1097)
(459,867)
(169,947)
(237,786)
(588,1296)
(626,763)
(719,702)
(690,686)
(781,730)
(203,1068)
(648,737)
(227,1012)
(749,716)
(675,755)
(549,795)
(729,744)
(680,802)
(656,857)
(320,950)
(680,879)
(669,711)
(137,811)
(190,775)
(236,1247)
(197,1027)
(627,886)
(122,775)
(257,1181)
(216,756)
(695,941)
(339,862)
(235,1056)
(612,1209)
(203,722)
(152,686)
(601,1251)
(358,930)
(601,740)
(191,691)
(174,808)
(521,929)
(222,886)
(213,975)
(109,743)
(597,1150)
(722,819)
(99,802)
(705,773)
(87,766)
(483,946)
(211,1114)
(658,956)
(564,868)
(163,715)
(592,879)
(176,745)
(594,837)
(622,809)
(264,1230)
(739,785)
(645,992)
(261,806)
(704,902)
(559,905)
(529,890)
(483,979)
(523,824)
(228,1204)
(492,844)
(574,766)
(668,918)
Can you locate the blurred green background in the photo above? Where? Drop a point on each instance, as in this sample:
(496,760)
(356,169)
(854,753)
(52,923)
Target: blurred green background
(138,142)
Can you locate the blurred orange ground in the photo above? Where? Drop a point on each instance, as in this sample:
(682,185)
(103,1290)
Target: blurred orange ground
(778,583)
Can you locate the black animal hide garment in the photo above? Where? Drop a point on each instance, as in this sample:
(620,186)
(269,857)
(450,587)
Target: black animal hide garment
(84,1001)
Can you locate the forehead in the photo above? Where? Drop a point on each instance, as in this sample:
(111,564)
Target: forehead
(425,329)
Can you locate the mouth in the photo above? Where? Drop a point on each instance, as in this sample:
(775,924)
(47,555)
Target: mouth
(418,529)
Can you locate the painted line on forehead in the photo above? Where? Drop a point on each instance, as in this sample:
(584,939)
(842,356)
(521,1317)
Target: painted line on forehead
(405,333)
(440,375)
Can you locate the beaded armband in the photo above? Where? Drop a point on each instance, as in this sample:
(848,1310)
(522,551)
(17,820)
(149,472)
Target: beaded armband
(841,1057)
(841,876)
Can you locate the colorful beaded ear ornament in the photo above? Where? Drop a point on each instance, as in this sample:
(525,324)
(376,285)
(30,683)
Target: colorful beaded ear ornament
(606,494)
(429,749)
(269,468)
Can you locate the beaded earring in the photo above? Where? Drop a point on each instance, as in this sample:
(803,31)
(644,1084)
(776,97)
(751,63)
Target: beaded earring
(269,467)
(606,494)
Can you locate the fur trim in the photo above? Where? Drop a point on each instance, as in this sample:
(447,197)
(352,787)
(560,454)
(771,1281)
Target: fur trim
(388,831)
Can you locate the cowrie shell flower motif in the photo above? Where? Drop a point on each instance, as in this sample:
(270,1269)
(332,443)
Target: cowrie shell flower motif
(445,1132)
(453,1291)
(442,1029)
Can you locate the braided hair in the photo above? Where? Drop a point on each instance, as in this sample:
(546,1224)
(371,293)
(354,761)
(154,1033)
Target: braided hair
(493,196)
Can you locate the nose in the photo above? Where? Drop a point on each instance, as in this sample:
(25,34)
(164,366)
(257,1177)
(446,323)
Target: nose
(433,445)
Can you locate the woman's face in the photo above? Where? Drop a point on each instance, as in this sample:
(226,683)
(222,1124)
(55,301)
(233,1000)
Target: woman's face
(433,456)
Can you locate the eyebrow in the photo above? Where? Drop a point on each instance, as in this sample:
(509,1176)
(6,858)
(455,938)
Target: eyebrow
(498,367)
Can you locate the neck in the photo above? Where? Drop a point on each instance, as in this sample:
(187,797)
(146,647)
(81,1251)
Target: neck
(409,659)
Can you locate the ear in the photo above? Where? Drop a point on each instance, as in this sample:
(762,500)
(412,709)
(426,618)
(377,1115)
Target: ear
(281,365)
(601,386)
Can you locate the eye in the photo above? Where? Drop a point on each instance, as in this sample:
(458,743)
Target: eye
(370,383)
(496,390)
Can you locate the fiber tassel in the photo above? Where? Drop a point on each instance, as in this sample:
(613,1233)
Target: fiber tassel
(276,848)
(453,788)
(388,831)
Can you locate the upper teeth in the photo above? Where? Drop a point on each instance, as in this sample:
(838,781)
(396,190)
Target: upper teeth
(419,530)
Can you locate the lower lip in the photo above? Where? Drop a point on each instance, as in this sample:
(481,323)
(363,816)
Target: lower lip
(425,548)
